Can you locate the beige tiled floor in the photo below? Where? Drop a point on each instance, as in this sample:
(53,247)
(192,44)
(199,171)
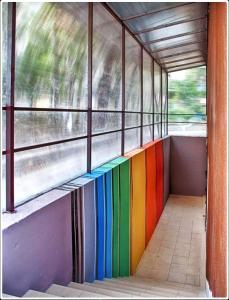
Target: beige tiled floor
(176,251)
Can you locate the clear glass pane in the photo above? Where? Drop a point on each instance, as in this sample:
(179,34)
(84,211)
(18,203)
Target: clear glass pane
(198,118)
(147,83)
(105,147)
(157,118)
(164,92)
(147,134)
(3,183)
(157,88)
(132,139)
(132,120)
(3,129)
(187,92)
(107,34)
(132,76)
(42,127)
(187,129)
(39,170)
(157,131)
(102,122)
(5,63)
(147,119)
(51,55)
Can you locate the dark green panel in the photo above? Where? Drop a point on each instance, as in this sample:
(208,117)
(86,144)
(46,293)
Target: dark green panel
(124,215)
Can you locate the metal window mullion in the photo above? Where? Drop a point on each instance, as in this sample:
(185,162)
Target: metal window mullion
(89,113)
(153,93)
(141,95)
(167,99)
(123,91)
(9,109)
(161,100)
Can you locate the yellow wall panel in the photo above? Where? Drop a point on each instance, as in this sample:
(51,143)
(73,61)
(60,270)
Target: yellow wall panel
(138,213)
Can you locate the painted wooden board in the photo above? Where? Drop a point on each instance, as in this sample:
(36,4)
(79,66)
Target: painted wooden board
(100,223)
(160,178)
(77,233)
(109,218)
(151,195)
(124,215)
(115,209)
(89,226)
(138,197)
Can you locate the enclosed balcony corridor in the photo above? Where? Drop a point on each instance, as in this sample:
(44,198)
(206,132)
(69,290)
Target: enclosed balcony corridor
(113,149)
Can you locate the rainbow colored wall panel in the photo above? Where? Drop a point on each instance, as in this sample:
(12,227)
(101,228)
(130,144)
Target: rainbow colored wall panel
(120,204)
(138,193)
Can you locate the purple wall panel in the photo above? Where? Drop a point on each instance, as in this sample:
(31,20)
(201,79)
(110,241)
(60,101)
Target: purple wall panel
(188,165)
(166,150)
(37,251)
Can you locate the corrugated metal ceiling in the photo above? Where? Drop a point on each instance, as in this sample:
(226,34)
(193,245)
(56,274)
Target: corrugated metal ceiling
(175,33)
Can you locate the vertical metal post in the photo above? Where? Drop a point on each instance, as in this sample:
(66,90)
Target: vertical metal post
(167,99)
(89,114)
(123,91)
(141,95)
(153,93)
(10,109)
(161,99)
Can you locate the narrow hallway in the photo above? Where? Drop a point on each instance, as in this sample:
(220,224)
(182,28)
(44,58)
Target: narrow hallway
(176,251)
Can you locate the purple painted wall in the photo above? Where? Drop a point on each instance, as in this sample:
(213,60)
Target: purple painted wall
(37,251)
(166,150)
(188,165)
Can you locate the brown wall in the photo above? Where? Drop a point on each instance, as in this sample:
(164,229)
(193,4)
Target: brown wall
(217,208)
(188,165)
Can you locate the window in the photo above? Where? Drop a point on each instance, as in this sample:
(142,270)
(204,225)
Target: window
(187,102)
(72,109)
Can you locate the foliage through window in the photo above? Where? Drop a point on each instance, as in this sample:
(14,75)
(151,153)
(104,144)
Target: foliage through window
(187,102)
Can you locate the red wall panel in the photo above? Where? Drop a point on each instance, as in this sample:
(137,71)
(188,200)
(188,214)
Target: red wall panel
(159,177)
(151,196)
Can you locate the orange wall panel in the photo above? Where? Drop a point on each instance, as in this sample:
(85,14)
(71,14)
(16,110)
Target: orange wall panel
(217,132)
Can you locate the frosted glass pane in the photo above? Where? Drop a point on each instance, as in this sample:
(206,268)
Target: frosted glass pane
(164,92)
(102,122)
(147,134)
(51,55)
(187,129)
(3,129)
(157,88)
(5,57)
(157,118)
(132,120)
(107,33)
(147,83)
(132,139)
(132,76)
(105,147)
(164,129)
(41,127)
(147,119)
(157,131)
(39,170)
(3,183)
